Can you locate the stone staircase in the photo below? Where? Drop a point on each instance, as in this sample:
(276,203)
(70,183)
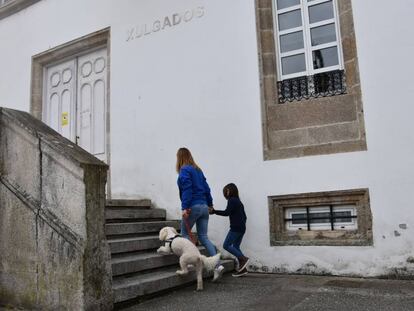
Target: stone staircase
(132,228)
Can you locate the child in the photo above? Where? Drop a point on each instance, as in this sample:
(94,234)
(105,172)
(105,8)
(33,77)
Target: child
(235,211)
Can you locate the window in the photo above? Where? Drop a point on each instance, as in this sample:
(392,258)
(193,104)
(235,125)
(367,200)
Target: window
(309,52)
(341,217)
(309,78)
(321,218)
(307,32)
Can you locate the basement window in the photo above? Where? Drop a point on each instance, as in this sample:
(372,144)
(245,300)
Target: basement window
(321,218)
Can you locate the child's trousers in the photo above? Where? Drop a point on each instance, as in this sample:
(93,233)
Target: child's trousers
(232,243)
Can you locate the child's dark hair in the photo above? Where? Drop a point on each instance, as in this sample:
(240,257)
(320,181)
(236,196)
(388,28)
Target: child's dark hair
(230,190)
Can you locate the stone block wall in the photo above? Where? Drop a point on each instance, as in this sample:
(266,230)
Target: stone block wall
(53,251)
(314,126)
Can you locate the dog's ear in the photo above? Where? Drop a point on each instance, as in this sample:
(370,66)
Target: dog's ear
(163,234)
(171,231)
(174,231)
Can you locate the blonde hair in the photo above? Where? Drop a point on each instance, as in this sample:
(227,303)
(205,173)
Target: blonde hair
(184,157)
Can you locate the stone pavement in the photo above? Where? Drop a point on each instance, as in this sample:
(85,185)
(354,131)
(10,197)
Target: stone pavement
(287,292)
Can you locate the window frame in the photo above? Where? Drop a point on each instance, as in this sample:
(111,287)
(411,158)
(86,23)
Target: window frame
(310,124)
(306,30)
(280,235)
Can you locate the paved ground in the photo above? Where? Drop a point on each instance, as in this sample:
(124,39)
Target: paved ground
(287,292)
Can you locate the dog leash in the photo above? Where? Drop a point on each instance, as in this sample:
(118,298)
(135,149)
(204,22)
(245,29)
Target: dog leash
(190,234)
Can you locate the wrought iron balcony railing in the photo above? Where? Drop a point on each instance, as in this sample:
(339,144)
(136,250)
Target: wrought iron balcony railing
(319,85)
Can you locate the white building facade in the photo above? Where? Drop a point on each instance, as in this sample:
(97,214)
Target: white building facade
(304,105)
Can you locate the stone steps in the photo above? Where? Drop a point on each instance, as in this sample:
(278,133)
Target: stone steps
(132,214)
(132,229)
(139,227)
(140,285)
(140,261)
(143,204)
(132,244)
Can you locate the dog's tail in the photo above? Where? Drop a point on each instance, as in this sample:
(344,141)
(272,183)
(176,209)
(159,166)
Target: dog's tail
(210,262)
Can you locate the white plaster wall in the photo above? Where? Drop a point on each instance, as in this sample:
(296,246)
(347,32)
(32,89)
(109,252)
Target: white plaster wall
(197,85)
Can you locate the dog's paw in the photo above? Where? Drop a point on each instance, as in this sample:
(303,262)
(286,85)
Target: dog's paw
(181,272)
(163,250)
(199,288)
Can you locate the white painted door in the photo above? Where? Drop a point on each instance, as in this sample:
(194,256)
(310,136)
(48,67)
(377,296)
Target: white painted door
(60,99)
(91,103)
(75,101)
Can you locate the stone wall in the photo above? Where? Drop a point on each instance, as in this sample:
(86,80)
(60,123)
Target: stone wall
(313,126)
(53,250)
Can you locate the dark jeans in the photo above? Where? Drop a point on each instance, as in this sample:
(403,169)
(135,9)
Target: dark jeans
(232,243)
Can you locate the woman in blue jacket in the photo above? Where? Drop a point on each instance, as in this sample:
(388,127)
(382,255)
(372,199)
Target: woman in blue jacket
(195,201)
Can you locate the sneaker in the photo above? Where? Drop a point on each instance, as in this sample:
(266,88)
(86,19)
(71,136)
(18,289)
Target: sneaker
(218,273)
(240,273)
(243,261)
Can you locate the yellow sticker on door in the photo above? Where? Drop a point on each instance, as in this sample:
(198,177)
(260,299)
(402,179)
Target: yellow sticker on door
(65,118)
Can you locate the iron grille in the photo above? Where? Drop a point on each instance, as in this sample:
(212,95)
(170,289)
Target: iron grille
(319,85)
(331,218)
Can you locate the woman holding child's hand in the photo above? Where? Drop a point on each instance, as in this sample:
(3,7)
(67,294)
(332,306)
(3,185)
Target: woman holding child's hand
(196,202)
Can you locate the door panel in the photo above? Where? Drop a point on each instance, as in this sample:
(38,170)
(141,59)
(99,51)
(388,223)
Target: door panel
(84,133)
(66,106)
(92,103)
(54,111)
(99,117)
(60,98)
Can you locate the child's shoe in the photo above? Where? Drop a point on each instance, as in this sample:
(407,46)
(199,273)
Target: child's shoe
(243,261)
(240,273)
(218,272)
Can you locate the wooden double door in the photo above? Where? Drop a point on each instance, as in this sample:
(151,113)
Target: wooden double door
(75,101)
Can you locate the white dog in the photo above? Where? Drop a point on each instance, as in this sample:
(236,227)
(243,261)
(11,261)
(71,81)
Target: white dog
(188,252)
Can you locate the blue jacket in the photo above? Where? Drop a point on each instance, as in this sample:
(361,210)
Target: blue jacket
(193,187)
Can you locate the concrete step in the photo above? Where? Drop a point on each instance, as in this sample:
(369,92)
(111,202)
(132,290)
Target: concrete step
(145,204)
(140,285)
(133,244)
(139,227)
(131,213)
(136,262)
